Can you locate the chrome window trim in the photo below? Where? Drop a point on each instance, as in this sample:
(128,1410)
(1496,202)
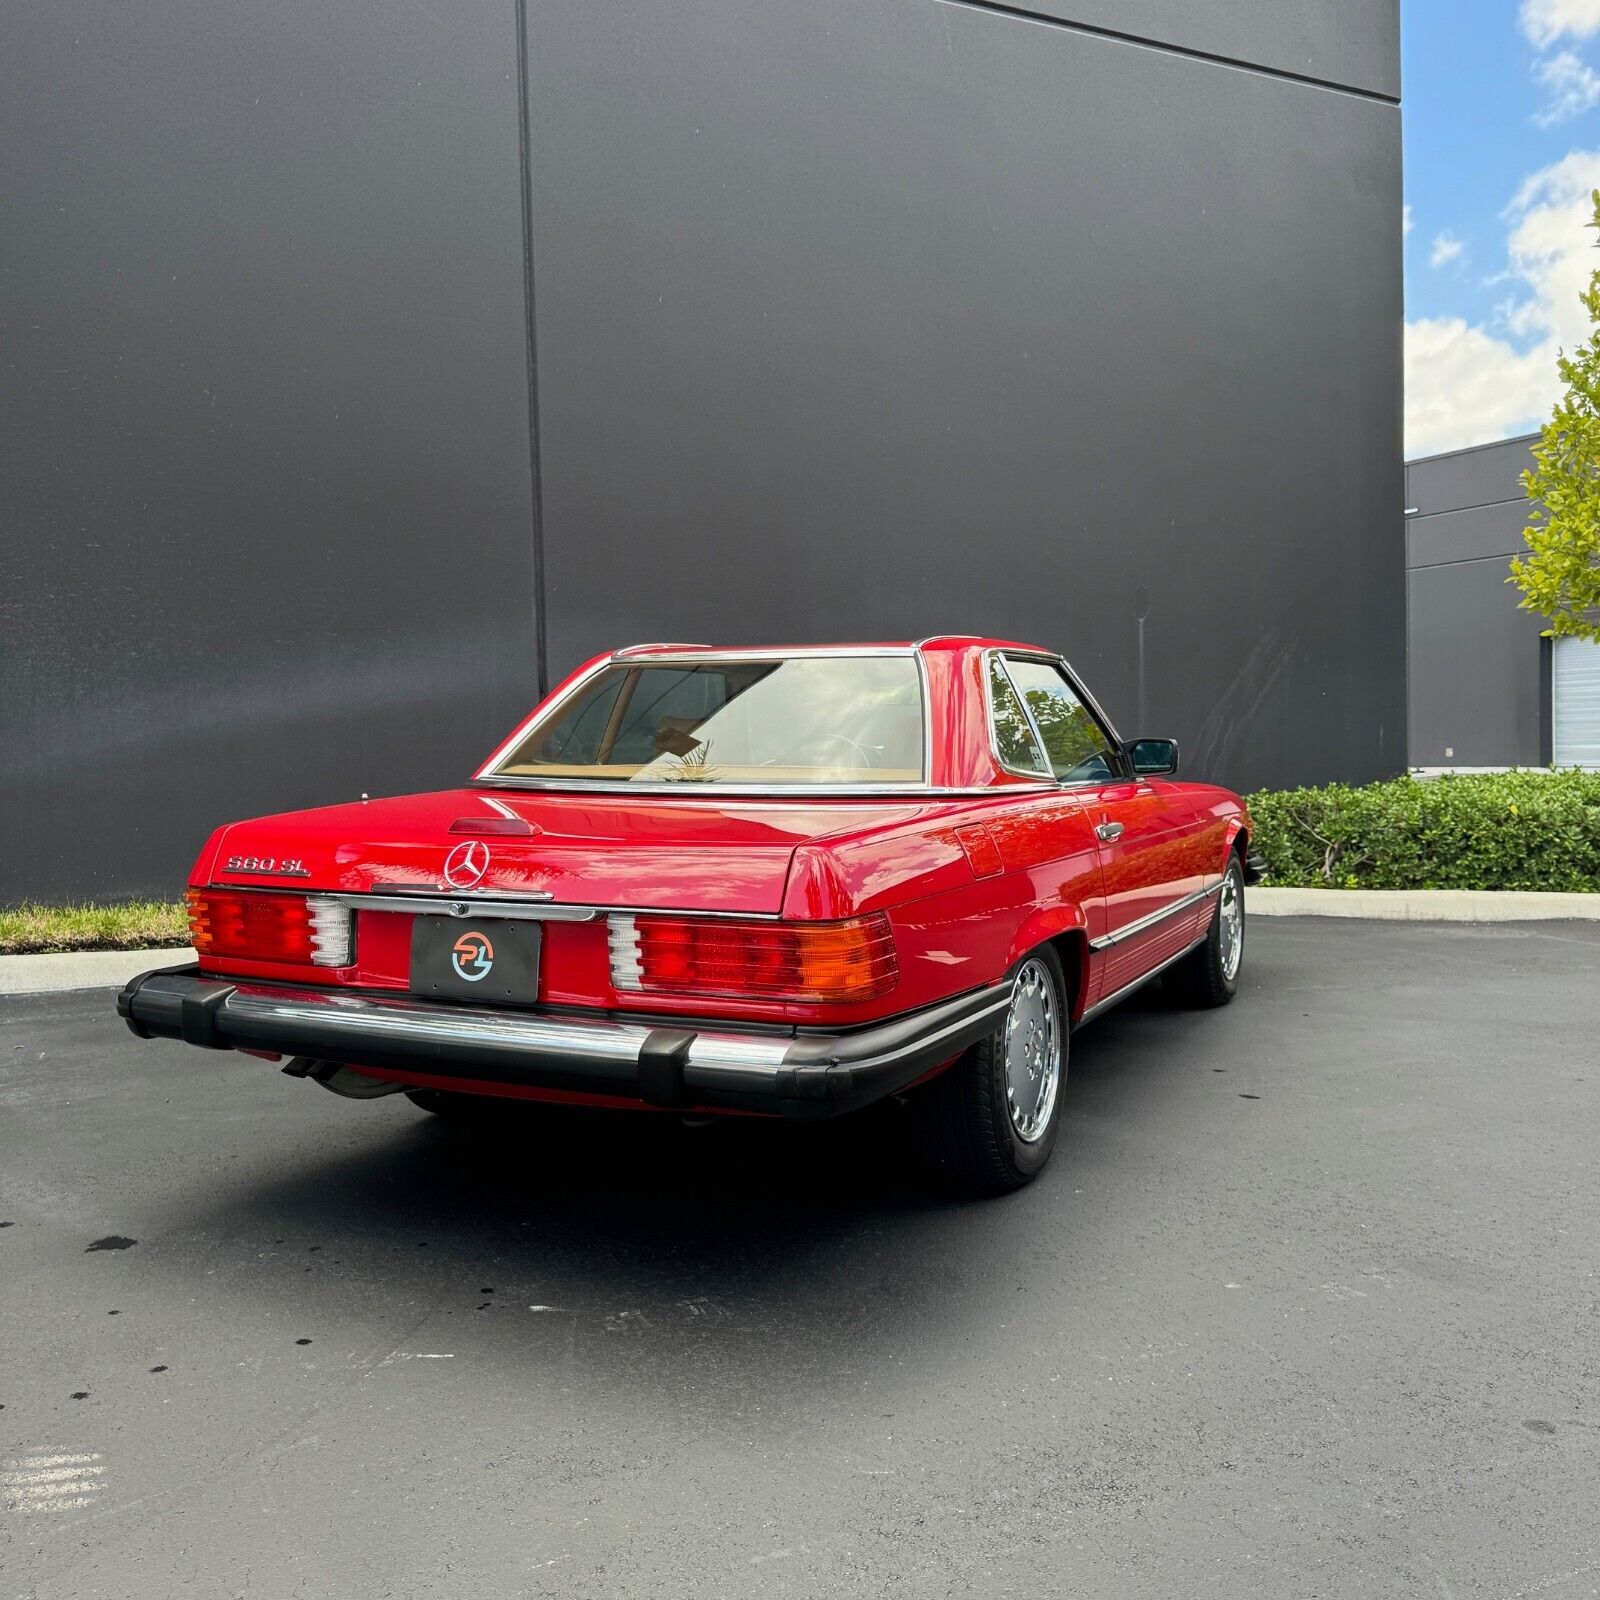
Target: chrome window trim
(488,777)
(1095,708)
(698,657)
(710,792)
(630,650)
(544,708)
(1033,721)
(701,654)
(909,792)
(947,638)
(1045,779)
(927,717)
(1075,683)
(1106,941)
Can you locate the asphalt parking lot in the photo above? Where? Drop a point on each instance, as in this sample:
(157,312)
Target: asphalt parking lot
(1305,1305)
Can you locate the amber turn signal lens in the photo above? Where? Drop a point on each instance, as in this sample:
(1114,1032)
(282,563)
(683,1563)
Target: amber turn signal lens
(814,962)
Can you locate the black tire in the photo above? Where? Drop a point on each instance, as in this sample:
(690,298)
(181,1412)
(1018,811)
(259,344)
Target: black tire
(1202,978)
(964,1119)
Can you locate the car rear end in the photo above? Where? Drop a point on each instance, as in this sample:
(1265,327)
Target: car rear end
(640,902)
(493,992)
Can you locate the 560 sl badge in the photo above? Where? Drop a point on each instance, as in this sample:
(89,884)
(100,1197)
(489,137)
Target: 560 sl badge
(271,866)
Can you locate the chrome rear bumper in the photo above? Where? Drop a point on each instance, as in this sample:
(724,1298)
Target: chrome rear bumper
(798,1072)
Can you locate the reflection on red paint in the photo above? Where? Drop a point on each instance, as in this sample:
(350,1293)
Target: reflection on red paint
(965,876)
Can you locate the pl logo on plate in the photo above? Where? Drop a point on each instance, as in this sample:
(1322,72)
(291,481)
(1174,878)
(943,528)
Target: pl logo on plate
(473,957)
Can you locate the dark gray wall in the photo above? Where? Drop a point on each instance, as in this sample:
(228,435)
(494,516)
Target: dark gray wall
(1477,665)
(265,498)
(875,320)
(1351,44)
(854,318)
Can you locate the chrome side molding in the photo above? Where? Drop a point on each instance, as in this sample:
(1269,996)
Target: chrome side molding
(1106,1002)
(1106,941)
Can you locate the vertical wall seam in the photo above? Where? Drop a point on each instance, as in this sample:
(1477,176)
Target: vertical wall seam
(535,473)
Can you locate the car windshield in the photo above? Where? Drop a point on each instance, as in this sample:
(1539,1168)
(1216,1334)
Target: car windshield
(791,720)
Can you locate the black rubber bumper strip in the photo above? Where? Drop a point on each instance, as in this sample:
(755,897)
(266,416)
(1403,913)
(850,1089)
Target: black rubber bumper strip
(661,1059)
(198,1017)
(125,997)
(798,1072)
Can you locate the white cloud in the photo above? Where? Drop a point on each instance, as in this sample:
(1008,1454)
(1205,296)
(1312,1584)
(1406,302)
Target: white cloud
(1545,21)
(1551,249)
(1465,386)
(1446,248)
(1406,224)
(1469,383)
(1573,88)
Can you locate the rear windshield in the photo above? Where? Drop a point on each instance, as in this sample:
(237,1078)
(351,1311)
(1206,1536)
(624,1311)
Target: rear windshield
(792,720)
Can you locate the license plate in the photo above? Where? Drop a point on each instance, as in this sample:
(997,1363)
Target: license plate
(454,958)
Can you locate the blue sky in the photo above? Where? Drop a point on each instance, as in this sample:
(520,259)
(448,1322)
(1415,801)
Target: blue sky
(1501,105)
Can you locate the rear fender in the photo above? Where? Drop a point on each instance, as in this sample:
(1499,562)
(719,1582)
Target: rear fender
(1064,926)
(817,888)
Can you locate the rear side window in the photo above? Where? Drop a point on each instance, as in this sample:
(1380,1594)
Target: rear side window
(1013,738)
(1079,749)
(577,737)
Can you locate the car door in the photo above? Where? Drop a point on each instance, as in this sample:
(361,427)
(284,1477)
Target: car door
(1143,827)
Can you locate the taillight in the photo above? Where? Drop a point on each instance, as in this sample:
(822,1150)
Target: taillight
(291,928)
(728,957)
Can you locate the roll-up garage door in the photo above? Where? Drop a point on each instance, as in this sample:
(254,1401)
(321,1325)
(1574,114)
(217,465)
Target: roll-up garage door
(1575,702)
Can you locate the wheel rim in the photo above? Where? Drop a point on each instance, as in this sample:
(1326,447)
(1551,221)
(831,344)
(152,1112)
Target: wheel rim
(1231,923)
(1033,1052)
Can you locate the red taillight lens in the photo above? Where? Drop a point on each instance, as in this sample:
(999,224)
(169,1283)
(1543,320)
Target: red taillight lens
(269,927)
(805,961)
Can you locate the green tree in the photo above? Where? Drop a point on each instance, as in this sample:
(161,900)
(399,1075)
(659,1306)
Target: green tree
(1560,576)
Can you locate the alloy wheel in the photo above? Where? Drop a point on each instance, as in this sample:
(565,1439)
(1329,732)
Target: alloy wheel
(1231,923)
(1033,1051)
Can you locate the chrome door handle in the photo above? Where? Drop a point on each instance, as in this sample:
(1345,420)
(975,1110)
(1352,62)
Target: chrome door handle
(1109,830)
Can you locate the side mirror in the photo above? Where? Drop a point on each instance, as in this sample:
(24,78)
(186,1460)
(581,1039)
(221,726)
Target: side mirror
(1152,758)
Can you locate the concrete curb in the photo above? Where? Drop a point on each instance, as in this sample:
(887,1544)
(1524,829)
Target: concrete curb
(1424,905)
(81,969)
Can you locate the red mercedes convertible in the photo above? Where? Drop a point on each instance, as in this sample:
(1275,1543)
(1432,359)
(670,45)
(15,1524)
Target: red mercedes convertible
(789,881)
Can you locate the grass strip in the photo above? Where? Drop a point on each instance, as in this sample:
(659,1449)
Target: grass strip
(35,929)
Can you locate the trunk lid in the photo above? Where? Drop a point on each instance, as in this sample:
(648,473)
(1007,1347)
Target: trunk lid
(643,852)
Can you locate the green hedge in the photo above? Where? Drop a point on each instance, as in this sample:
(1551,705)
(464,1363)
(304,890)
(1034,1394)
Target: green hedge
(1498,830)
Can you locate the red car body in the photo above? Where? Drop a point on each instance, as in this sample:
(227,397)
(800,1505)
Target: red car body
(968,869)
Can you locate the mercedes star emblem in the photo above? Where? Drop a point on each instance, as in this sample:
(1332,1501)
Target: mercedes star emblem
(465,866)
